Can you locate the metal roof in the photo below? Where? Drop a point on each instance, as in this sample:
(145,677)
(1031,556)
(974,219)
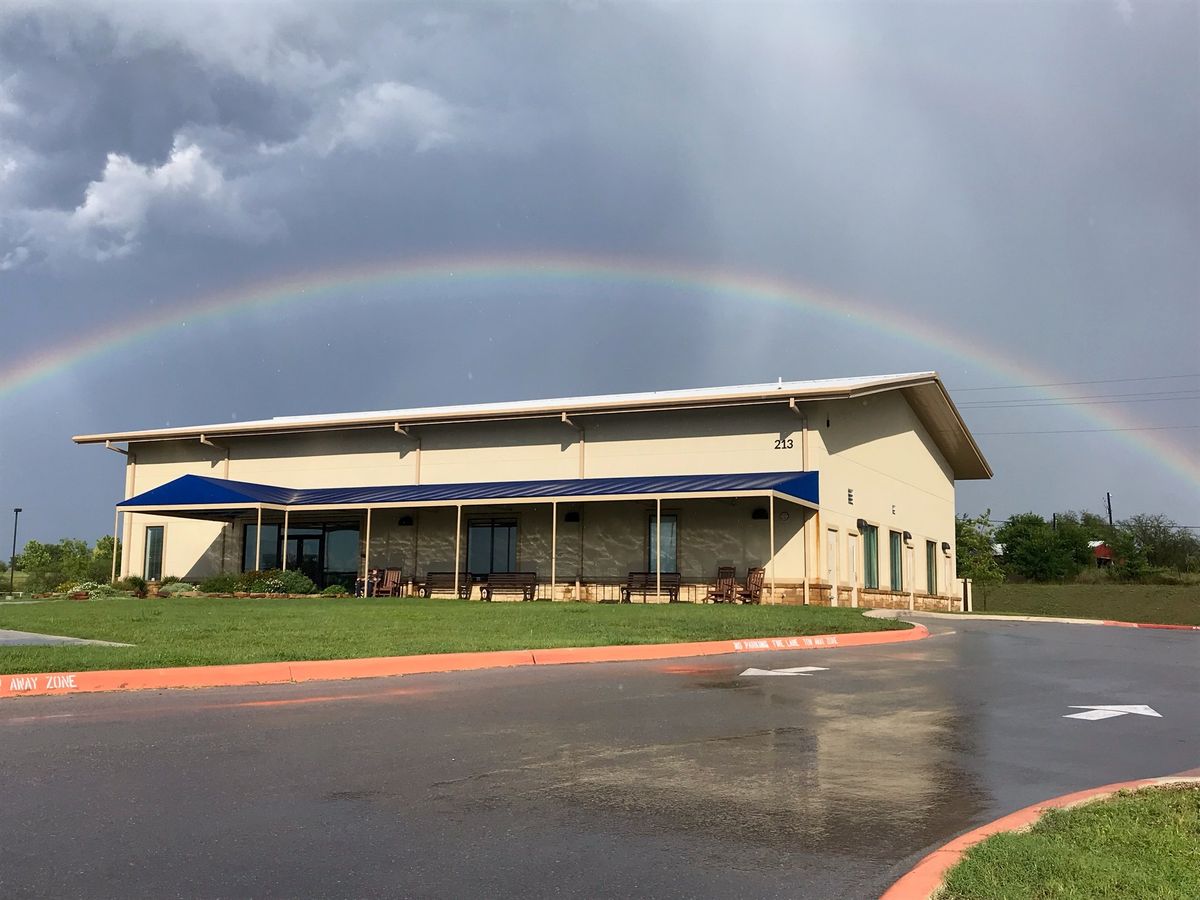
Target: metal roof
(200,491)
(830,387)
(923,390)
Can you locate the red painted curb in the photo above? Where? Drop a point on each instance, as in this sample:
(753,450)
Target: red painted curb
(1149,625)
(925,878)
(377,667)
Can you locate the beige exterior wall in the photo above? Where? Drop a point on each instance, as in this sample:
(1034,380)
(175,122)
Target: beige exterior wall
(875,447)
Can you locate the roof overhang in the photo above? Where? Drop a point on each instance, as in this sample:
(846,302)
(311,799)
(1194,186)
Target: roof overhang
(924,391)
(198,496)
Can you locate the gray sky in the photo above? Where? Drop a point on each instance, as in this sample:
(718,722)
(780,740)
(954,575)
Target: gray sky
(1007,193)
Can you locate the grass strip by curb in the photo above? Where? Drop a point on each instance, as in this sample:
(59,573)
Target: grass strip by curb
(1143,844)
(212,631)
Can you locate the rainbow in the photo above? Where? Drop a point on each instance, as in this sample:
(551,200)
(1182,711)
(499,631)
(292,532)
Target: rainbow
(310,287)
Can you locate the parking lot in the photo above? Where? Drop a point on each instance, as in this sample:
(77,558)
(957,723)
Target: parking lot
(679,778)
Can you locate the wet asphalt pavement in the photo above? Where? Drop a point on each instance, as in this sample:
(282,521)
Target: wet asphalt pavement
(656,779)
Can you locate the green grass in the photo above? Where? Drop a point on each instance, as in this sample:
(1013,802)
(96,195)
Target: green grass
(1165,604)
(206,631)
(1143,844)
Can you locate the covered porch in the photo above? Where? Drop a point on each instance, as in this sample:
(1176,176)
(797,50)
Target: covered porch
(579,538)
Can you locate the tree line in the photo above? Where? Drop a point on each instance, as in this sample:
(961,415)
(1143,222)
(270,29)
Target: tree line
(1028,547)
(48,566)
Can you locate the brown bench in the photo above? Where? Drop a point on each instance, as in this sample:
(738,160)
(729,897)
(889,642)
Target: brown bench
(523,583)
(443,582)
(646,584)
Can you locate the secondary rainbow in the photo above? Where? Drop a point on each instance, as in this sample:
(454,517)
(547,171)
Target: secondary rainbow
(310,287)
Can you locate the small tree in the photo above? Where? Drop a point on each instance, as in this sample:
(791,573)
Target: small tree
(975,539)
(1036,551)
(102,559)
(1164,543)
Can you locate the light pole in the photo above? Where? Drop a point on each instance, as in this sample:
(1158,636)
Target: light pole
(12,560)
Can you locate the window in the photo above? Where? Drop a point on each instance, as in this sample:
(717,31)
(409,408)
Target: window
(491,546)
(870,535)
(896,557)
(669,551)
(152,570)
(931,564)
(270,547)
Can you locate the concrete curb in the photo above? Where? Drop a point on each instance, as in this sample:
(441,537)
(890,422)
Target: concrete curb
(43,684)
(924,880)
(969,617)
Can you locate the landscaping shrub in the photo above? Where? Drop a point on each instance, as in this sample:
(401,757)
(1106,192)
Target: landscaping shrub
(296,582)
(225,583)
(334,590)
(92,589)
(265,582)
(134,583)
(176,587)
(170,579)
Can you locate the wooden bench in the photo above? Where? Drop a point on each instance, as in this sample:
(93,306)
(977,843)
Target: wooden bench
(523,583)
(646,584)
(443,582)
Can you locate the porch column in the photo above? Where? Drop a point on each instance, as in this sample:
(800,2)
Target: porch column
(579,566)
(258,542)
(771,515)
(658,548)
(116,541)
(806,533)
(283,546)
(457,547)
(367,554)
(553,545)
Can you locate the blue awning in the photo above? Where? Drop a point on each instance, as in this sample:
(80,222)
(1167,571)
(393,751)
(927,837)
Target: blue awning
(199,491)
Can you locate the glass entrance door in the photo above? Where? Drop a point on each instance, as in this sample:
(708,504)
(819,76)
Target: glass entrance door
(304,554)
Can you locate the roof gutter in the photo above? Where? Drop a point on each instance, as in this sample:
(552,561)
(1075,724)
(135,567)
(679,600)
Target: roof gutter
(252,429)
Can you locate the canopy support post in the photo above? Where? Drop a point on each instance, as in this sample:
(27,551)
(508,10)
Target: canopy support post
(116,542)
(771,514)
(658,548)
(457,547)
(553,546)
(258,542)
(367,552)
(283,555)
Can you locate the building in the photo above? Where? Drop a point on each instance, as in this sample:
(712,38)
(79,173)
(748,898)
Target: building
(841,489)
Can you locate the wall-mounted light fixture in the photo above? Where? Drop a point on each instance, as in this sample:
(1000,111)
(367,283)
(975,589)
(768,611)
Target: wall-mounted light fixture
(945,546)
(908,537)
(861,523)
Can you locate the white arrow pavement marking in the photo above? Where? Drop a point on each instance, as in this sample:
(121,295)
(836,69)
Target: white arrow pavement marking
(1095,713)
(798,670)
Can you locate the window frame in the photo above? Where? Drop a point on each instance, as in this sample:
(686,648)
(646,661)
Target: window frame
(896,559)
(672,515)
(931,567)
(162,545)
(870,554)
(492,523)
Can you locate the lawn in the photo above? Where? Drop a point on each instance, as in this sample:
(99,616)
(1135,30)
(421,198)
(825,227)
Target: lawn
(1166,604)
(1139,844)
(208,631)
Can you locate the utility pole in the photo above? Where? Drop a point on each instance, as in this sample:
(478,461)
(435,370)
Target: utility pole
(1108,500)
(12,559)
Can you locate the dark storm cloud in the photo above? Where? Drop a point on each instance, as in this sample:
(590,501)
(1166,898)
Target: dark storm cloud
(1022,176)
